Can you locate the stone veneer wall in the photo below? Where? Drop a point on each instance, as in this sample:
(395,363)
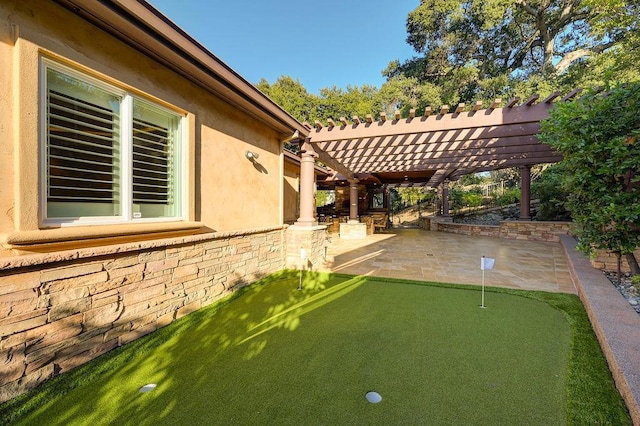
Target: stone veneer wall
(60,310)
(510,229)
(534,230)
(608,261)
(313,239)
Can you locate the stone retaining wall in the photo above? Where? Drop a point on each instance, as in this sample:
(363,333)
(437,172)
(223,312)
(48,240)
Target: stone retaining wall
(608,261)
(510,229)
(58,311)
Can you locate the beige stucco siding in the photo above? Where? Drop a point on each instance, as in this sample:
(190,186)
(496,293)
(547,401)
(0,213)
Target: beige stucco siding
(225,190)
(6,125)
(291,188)
(249,195)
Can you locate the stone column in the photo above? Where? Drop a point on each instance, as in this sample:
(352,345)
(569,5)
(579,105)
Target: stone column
(525,194)
(353,201)
(307,183)
(445,198)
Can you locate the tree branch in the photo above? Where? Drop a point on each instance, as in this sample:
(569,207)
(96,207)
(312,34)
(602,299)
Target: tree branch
(569,57)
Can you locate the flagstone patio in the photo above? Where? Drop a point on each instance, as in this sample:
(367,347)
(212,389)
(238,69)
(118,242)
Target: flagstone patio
(436,256)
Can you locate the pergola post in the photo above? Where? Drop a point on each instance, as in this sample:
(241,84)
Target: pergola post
(353,201)
(307,182)
(445,198)
(525,195)
(386,201)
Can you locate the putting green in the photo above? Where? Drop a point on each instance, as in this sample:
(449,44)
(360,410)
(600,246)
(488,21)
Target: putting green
(277,355)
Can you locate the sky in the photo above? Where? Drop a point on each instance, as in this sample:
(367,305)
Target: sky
(320,43)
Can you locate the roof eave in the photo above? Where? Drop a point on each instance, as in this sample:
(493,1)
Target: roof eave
(143,27)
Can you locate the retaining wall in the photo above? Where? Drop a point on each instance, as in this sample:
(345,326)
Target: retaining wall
(58,311)
(510,229)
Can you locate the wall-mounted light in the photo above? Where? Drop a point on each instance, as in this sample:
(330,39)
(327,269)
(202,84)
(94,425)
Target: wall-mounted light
(251,156)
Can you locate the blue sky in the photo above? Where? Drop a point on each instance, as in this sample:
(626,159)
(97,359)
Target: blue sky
(322,44)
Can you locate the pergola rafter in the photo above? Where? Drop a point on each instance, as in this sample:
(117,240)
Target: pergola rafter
(438,146)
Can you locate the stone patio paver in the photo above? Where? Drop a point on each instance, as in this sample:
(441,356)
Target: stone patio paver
(436,256)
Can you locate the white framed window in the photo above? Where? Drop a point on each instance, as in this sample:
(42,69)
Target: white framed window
(108,156)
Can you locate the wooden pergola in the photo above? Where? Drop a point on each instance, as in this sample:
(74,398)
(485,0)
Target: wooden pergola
(432,148)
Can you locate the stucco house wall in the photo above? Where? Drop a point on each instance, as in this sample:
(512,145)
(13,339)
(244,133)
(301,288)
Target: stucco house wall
(71,293)
(290,191)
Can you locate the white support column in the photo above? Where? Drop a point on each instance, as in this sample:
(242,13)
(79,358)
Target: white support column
(307,184)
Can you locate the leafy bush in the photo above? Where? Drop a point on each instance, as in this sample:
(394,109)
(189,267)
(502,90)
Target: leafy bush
(472,199)
(456,198)
(550,191)
(635,280)
(510,196)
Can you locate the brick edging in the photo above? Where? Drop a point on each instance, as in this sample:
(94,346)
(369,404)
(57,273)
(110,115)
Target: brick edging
(615,322)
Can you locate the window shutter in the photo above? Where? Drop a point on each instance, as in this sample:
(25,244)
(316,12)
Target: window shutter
(80,150)
(152,163)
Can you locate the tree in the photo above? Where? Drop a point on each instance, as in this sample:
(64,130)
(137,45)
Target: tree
(291,95)
(599,136)
(490,48)
(335,102)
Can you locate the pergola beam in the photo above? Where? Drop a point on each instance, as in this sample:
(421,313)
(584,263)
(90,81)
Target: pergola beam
(333,163)
(449,122)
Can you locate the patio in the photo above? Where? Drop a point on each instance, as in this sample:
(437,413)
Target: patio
(437,256)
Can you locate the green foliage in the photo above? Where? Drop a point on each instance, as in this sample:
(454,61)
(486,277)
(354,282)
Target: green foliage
(291,95)
(472,199)
(332,102)
(510,196)
(322,198)
(635,280)
(472,179)
(335,102)
(599,138)
(550,191)
(405,197)
(456,198)
(484,49)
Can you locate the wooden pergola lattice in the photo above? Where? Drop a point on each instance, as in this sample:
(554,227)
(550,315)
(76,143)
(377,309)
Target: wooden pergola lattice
(432,147)
(429,149)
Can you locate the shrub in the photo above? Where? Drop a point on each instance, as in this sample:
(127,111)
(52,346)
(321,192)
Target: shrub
(509,196)
(635,280)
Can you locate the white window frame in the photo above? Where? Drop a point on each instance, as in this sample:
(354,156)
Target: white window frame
(126,162)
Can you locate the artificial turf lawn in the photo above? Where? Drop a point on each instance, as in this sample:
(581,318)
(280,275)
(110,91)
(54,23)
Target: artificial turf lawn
(276,355)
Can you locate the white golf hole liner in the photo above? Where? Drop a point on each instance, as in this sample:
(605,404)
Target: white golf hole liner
(148,388)
(373,397)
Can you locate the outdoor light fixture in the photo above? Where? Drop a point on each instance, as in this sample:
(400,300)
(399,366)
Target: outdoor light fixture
(251,156)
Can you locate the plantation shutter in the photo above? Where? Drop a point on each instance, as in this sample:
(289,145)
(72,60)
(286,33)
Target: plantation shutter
(81,141)
(152,162)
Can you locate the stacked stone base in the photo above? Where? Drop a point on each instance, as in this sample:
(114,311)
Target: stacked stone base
(58,311)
